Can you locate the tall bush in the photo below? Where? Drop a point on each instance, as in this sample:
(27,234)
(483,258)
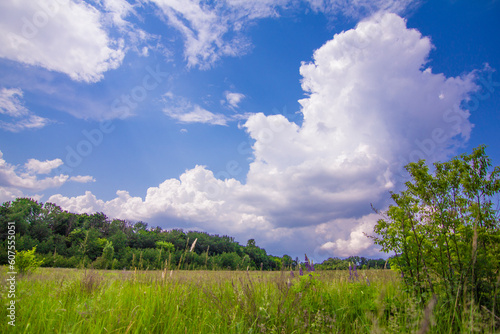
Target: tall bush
(444,231)
(26,261)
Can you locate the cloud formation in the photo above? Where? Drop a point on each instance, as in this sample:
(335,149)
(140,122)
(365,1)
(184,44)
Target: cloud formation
(20,118)
(118,10)
(233,99)
(63,36)
(42,167)
(214,30)
(74,37)
(362,8)
(373,104)
(16,180)
(184,111)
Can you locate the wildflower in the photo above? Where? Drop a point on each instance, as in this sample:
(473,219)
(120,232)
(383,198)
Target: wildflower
(309,265)
(300,271)
(291,273)
(367,281)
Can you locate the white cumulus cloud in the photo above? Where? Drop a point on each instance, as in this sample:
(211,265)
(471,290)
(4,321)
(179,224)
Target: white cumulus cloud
(62,35)
(42,167)
(15,180)
(373,104)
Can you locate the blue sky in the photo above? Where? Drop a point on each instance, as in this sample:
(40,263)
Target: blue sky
(274,120)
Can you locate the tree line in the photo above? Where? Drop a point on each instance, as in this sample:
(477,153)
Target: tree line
(69,240)
(335,263)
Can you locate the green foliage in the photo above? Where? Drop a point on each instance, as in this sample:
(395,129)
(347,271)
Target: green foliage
(26,261)
(108,252)
(444,231)
(306,283)
(229,261)
(65,239)
(165,246)
(119,240)
(221,302)
(335,263)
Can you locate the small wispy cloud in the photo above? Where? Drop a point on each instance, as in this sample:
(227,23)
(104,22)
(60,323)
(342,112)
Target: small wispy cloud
(232,99)
(182,110)
(362,8)
(118,10)
(12,106)
(214,30)
(82,179)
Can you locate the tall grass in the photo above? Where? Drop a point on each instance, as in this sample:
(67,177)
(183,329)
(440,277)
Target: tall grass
(79,301)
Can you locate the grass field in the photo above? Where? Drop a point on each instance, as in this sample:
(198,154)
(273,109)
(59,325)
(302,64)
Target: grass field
(55,300)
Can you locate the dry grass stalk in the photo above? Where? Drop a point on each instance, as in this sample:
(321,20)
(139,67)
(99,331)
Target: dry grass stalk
(90,282)
(426,321)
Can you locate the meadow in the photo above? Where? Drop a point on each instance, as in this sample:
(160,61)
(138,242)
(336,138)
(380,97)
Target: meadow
(54,300)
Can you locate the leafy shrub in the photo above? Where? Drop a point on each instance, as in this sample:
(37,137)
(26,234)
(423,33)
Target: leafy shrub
(445,234)
(26,261)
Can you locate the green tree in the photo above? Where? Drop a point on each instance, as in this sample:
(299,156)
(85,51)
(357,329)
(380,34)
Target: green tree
(22,211)
(287,261)
(165,246)
(105,261)
(444,231)
(229,261)
(91,245)
(334,263)
(118,225)
(119,240)
(108,252)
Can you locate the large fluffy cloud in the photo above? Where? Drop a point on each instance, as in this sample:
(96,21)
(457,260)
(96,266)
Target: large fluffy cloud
(63,36)
(372,105)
